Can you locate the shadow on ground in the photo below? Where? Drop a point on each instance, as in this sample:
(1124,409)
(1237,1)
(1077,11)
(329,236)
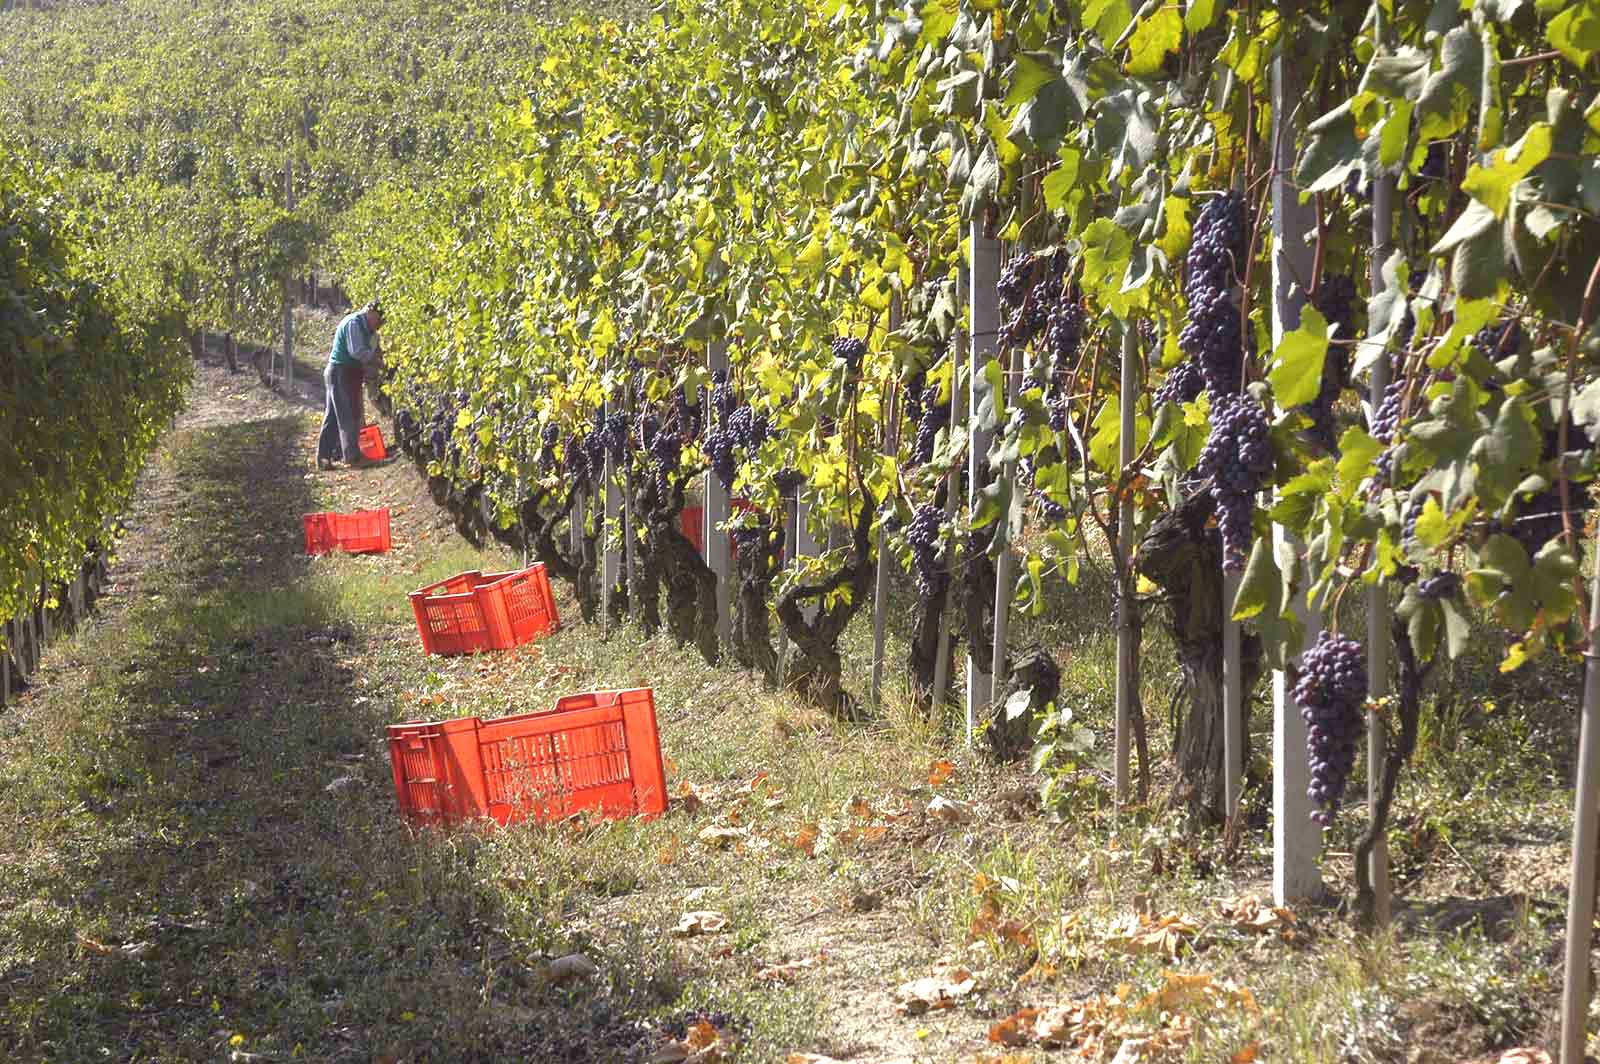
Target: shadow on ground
(201,850)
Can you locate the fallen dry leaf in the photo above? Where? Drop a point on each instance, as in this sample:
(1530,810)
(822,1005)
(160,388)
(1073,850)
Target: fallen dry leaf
(1522,1055)
(701,1044)
(719,837)
(870,835)
(1257,917)
(934,992)
(805,840)
(701,922)
(689,797)
(785,973)
(1247,1055)
(940,772)
(950,810)
(1016,1029)
(812,1058)
(1164,934)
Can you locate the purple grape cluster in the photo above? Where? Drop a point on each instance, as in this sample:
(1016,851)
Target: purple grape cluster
(723,398)
(576,465)
(690,416)
(851,350)
(1236,458)
(922,535)
(935,416)
(1386,423)
(1017,278)
(1408,526)
(1500,339)
(1439,586)
(1331,691)
(616,434)
(719,444)
(1436,164)
(1063,330)
(787,481)
(748,538)
(1212,335)
(749,429)
(666,454)
(1038,303)
(1336,297)
(1182,384)
(1051,510)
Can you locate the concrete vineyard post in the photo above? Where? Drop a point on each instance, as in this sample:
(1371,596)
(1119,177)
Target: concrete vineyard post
(941,665)
(1012,523)
(288,307)
(716,513)
(886,559)
(984,313)
(1125,603)
(1295,840)
(1378,620)
(1585,821)
(611,567)
(1232,700)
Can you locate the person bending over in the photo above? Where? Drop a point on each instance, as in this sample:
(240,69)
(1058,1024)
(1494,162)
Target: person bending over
(355,345)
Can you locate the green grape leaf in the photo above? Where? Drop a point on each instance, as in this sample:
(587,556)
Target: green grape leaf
(1200,15)
(1296,373)
(1491,185)
(1478,265)
(1156,36)
(1332,150)
(1505,451)
(1040,123)
(1261,590)
(1357,452)
(1059,183)
(1457,628)
(1575,33)
(938,18)
(1030,73)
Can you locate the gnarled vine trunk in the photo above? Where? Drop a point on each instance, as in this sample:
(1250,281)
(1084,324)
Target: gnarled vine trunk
(758,564)
(818,675)
(1184,558)
(922,655)
(668,559)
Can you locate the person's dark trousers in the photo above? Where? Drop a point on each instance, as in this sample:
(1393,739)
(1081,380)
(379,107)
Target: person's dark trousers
(340,427)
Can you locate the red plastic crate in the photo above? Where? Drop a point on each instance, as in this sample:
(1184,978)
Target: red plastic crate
(599,750)
(371,442)
(693,522)
(475,611)
(363,532)
(693,519)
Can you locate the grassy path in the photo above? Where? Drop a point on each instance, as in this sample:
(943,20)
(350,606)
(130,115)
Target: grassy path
(202,860)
